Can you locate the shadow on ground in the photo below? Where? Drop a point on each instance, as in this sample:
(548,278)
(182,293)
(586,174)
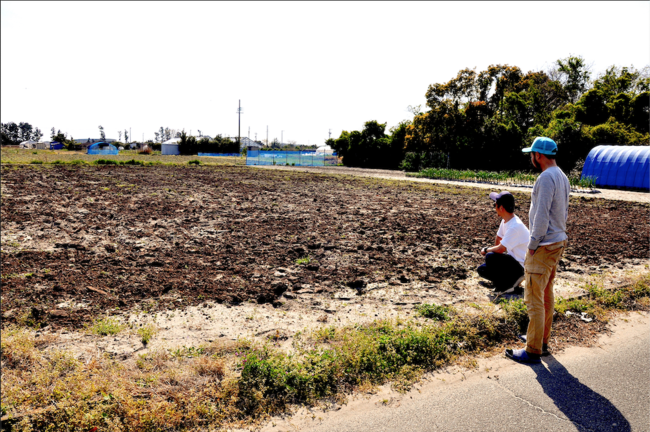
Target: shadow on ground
(585,408)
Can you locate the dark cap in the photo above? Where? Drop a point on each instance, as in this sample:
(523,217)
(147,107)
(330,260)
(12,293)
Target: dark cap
(504,199)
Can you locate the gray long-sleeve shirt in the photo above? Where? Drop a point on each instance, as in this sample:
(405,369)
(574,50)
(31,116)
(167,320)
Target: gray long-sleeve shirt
(549,208)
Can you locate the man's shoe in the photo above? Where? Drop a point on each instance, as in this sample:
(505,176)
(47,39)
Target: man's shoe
(545,351)
(522,356)
(510,289)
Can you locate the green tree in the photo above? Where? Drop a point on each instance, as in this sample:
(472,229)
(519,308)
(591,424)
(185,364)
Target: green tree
(10,134)
(102,135)
(574,76)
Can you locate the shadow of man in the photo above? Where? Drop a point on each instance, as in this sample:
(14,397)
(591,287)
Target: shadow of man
(582,406)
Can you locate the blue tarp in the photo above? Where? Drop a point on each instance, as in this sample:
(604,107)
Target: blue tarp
(102,148)
(624,167)
(56,145)
(293,158)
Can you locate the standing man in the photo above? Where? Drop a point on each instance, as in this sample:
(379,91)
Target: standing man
(547,220)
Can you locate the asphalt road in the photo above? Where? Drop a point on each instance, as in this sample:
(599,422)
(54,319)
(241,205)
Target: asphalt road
(604,388)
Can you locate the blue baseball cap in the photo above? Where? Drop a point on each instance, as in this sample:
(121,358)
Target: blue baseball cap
(542,145)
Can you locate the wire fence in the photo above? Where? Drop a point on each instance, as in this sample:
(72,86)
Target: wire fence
(291,158)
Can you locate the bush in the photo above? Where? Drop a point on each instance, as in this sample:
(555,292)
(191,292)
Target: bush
(194,162)
(133,162)
(106,162)
(414,162)
(36,162)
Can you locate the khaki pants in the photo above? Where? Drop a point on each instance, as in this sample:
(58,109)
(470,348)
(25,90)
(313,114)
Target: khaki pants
(538,294)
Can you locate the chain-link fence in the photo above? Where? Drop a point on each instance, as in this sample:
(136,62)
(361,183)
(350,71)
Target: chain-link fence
(292,158)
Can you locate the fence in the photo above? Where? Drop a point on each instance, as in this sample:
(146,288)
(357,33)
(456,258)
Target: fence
(293,158)
(220,154)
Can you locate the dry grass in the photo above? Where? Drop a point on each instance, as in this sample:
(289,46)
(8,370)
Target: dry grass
(23,156)
(241,383)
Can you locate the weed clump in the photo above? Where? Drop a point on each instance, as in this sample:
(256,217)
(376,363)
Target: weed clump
(194,162)
(146,332)
(516,313)
(433,311)
(106,162)
(106,327)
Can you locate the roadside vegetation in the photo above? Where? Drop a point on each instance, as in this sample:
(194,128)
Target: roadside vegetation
(243,382)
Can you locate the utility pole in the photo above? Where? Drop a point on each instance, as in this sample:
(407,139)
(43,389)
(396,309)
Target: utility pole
(130,136)
(330,133)
(282,137)
(267,135)
(239,111)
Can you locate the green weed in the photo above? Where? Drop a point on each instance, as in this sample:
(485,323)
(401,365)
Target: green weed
(106,326)
(433,311)
(304,260)
(146,332)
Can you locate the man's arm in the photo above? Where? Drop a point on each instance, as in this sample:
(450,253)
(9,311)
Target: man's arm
(496,249)
(497,241)
(542,208)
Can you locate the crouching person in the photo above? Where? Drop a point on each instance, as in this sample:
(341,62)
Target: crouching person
(505,260)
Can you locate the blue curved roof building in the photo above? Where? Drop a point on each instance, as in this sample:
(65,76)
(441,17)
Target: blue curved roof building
(103,148)
(623,167)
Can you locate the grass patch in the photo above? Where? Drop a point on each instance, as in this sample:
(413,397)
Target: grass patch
(433,311)
(304,260)
(241,383)
(146,332)
(194,162)
(106,326)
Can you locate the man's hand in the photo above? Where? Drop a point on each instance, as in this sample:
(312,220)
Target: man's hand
(484,251)
(531,251)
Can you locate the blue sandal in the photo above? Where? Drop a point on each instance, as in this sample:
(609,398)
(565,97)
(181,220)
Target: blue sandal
(521,356)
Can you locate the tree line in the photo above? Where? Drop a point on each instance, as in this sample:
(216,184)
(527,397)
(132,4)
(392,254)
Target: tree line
(189,145)
(13,134)
(482,120)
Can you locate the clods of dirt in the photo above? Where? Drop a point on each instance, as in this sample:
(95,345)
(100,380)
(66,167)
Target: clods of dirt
(100,239)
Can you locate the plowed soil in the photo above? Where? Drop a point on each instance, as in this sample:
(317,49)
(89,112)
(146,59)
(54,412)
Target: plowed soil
(79,241)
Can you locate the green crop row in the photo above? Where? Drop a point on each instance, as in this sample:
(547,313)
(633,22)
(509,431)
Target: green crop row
(506,178)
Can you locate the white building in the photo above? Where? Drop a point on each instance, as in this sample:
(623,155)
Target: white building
(171,147)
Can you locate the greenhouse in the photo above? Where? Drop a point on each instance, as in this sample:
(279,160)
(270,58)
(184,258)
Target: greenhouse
(102,148)
(622,167)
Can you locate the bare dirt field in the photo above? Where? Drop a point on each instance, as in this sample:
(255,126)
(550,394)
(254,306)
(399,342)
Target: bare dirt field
(80,242)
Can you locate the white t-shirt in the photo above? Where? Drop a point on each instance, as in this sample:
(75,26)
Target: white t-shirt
(514,237)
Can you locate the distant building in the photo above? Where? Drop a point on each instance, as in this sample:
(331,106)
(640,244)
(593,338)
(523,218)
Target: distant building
(247,143)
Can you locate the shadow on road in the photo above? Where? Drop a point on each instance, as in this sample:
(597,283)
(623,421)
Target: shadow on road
(584,407)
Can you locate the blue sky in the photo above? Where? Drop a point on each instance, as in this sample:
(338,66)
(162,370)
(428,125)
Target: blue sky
(302,69)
